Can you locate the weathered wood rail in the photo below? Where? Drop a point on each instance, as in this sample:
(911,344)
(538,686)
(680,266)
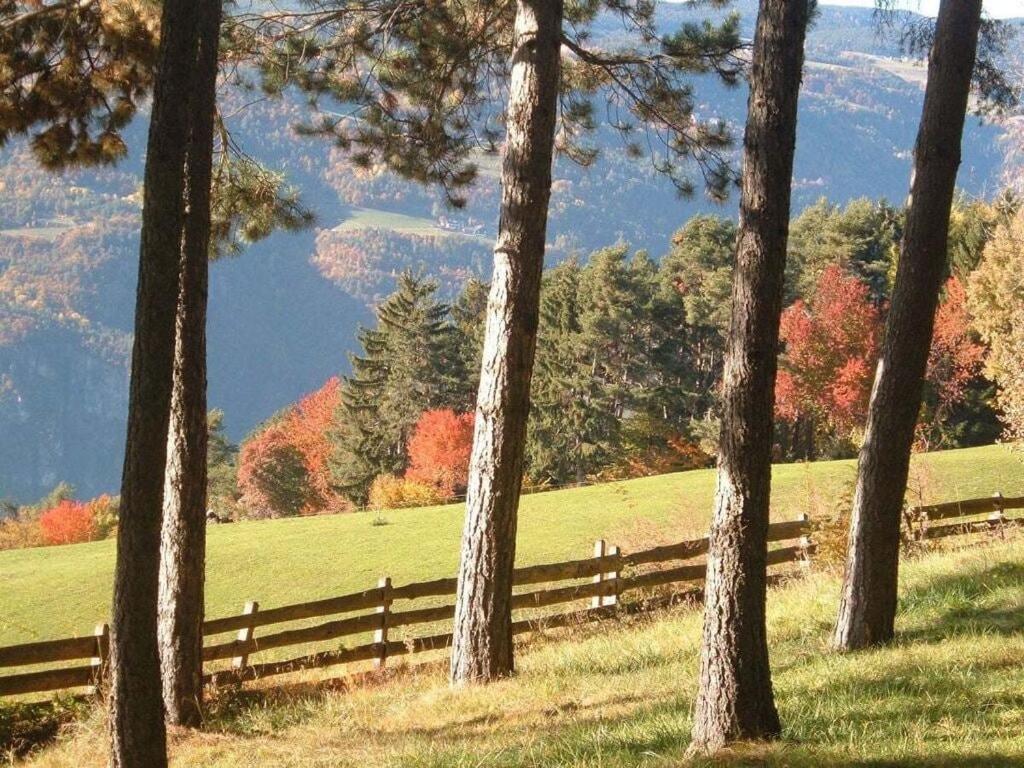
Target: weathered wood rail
(967,516)
(594,584)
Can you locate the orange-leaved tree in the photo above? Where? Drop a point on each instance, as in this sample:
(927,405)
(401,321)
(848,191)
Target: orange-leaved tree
(284,469)
(309,427)
(831,345)
(70,522)
(954,361)
(439,449)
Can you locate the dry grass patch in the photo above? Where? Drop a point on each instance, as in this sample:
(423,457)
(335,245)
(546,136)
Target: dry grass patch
(948,693)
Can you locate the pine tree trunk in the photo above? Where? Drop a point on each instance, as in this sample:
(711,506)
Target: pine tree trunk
(735,699)
(867,610)
(183,541)
(482,644)
(137,732)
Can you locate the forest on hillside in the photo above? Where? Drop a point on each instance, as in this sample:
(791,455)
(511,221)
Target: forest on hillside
(290,304)
(628,376)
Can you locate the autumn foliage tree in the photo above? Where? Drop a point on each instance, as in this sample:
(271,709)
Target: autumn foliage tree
(70,522)
(831,344)
(996,295)
(439,450)
(283,469)
(954,361)
(272,477)
(309,427)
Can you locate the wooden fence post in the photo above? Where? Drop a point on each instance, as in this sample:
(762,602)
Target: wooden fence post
(996,518)
(804,543)
(101,661)
(245,634)
(613,577)
(380,636)
(599,550)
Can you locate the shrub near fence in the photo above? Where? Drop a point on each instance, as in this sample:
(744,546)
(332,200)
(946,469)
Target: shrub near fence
(596,585)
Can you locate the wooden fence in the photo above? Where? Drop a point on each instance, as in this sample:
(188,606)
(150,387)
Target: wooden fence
(596,584)
(377,618)
(967,516)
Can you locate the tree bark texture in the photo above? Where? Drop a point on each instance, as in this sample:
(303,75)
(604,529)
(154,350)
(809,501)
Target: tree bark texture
(735,699)
(183,539)
(867,609)
(482,644)
(137,731)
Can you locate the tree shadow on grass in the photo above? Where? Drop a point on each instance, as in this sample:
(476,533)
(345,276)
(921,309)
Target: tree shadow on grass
(26,727)
(635,727)
(785,757)
(964,601)
(631,729)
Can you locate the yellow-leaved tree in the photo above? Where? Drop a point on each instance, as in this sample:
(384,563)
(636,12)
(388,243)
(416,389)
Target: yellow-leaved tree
(996,302)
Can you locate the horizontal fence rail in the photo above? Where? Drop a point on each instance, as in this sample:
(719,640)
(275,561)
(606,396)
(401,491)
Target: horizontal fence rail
(93,649)
(966,513)
(374,616)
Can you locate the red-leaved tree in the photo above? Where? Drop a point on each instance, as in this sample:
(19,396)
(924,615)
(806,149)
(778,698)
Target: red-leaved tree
(309,428)
(283,470)
(70,522)
(831,346)
(439,449)
(272,476)
(954,360)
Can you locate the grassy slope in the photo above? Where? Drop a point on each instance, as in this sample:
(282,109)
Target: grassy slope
(375,218)
(57,591)
(946,694)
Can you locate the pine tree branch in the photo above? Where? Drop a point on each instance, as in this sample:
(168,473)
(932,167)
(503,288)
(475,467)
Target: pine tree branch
(67,6)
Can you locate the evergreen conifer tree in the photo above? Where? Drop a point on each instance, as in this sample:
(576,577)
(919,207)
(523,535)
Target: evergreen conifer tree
(406,367)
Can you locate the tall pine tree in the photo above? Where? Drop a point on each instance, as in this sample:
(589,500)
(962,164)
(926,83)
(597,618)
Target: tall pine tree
(422,77)
(735,698)
(138,735)
(406,367)
(867,610)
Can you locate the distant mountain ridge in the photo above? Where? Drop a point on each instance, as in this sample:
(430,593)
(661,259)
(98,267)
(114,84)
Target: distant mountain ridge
(284,314)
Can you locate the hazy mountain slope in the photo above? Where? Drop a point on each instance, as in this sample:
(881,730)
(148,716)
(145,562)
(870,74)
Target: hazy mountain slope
(284,315)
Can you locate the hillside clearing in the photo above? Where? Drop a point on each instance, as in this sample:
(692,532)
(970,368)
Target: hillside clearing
(946,694)
(376,218)
(59,591)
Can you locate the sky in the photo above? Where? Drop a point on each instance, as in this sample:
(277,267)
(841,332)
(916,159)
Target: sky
(1000,9)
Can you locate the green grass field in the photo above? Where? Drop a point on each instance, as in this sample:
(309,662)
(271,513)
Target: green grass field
(375,218)
(60,591)
(618,694)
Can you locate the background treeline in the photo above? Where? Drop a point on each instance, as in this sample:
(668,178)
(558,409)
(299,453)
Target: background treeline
(628,367)
(73,314)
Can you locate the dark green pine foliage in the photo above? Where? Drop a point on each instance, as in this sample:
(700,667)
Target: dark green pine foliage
(250,202)
(619,330)
(221,464)
(566,421)
(863,237)
(419,87)
(612,377)
(72,75)
(408,365)
(695,294)
(468,313)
